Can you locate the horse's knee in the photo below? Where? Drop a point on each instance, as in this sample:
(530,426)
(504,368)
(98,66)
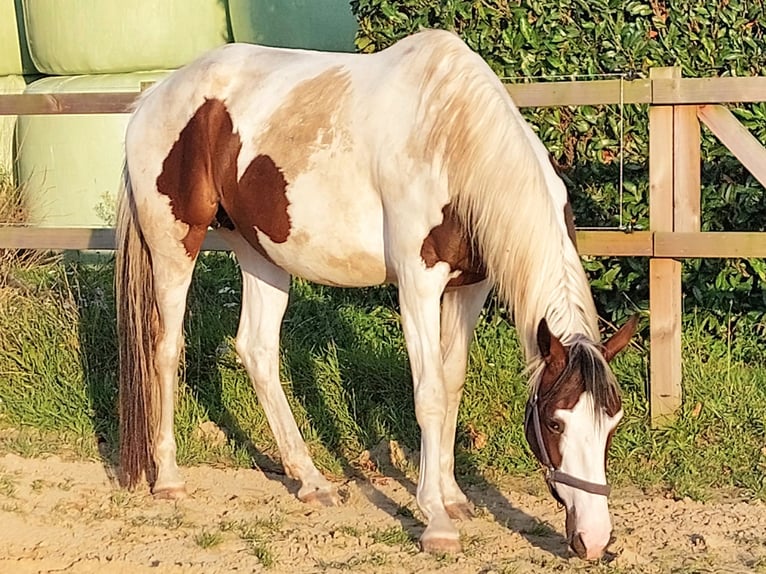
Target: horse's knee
(258,360)
(430,404)
(168,350)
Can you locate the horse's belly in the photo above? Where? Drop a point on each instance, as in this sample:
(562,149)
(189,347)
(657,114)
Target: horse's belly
(335,237)
(338,263)
(363,271)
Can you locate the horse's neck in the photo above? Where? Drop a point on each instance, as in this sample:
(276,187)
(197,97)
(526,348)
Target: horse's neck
(531,259)
(505,192)
(563,297)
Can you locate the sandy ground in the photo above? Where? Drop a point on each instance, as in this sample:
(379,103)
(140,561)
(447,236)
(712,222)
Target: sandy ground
(62,516)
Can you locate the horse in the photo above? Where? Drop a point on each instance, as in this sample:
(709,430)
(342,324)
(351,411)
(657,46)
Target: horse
(410,166)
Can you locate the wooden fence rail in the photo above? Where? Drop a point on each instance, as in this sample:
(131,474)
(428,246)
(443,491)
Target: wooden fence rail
(656,91)
(676,108)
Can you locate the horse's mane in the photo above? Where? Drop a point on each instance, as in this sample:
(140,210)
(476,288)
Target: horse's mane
(496,172)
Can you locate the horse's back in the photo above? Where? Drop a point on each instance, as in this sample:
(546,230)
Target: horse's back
(300,93)
(304,153)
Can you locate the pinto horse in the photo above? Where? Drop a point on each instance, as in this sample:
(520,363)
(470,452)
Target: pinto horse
(411,166)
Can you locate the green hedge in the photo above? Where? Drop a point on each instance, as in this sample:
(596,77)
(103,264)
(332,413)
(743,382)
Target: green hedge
(544,38)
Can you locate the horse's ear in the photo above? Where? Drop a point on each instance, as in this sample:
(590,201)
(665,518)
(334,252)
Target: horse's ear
(621,338)
(551,349)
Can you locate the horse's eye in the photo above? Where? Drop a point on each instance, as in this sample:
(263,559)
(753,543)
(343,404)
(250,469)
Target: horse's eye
(555,426)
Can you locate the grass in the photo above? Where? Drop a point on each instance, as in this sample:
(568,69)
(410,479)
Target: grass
(208,539)
(256,534)
(352,531)
(347,380)
(393,536)
(7,484)
(172,521)
(354,563)
(540,529)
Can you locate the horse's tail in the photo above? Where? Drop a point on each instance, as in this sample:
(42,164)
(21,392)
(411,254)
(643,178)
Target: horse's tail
(137,332)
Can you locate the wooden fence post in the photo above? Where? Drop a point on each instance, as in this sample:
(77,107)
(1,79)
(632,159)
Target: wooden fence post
(686,169)
(665,274)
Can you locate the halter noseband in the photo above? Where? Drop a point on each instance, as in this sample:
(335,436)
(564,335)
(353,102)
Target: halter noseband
(552,474)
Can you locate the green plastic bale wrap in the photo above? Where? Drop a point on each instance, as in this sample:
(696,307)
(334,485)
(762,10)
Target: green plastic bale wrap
(109,36)
(71,164)
(8,85)
(14,54)
(311,24)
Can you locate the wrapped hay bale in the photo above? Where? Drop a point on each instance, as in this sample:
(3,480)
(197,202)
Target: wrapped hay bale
(107,36)
(14,54)
(311,24)
(71,164)
(8,85)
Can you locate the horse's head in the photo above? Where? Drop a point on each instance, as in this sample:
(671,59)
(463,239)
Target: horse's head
(572,413)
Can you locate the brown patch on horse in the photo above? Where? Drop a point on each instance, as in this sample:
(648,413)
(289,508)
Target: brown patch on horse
(564,396)
(568,213)
(570,221)
(448,242)
(557,167)
(554,392)
(199,175)
(262,195)
(201,166)
(300,127)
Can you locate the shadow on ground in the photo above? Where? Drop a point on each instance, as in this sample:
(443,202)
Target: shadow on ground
(364,402)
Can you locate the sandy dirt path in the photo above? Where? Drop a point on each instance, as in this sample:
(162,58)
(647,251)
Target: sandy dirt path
(63,516)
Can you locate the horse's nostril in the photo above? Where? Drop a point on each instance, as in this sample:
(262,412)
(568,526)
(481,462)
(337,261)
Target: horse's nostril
(578,545)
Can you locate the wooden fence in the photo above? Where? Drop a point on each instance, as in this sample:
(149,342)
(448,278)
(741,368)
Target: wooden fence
(677,107)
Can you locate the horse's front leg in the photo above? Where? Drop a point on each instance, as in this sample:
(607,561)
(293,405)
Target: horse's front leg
(420,290)
(460,311)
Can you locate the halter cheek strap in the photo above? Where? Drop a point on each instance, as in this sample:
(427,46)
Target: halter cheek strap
(552,474)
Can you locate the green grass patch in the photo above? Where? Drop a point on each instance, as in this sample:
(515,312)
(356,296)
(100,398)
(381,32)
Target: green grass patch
(354,563)
(167,521)
(352,531)
(257,535)
(717,441)
(540,529)
(393,536)
(346,375)
(7,484)
(208,539)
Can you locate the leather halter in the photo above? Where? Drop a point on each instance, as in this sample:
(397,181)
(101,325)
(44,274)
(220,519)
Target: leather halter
(552,474)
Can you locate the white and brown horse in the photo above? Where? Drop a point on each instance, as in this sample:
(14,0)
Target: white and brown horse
(410,166)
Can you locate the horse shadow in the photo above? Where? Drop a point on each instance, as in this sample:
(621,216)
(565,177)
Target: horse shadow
(92,275)
(92,286)
(380,374)
(371,380)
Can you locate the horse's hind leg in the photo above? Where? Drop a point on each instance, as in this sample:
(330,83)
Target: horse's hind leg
(172,277)
(154,265)
(264,300)
(173,258)
(460,311)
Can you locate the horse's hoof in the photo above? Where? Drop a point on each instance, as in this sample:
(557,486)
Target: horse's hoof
(170,493)
(320,497)
(461,510)
(438,545)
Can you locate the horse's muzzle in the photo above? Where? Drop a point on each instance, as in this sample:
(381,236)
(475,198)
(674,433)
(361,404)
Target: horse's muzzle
(578,546)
